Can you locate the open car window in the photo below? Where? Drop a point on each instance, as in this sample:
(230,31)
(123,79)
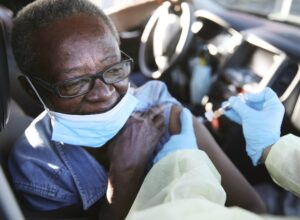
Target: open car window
(281,10)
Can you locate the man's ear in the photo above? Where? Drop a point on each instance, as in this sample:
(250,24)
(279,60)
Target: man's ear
(27,87)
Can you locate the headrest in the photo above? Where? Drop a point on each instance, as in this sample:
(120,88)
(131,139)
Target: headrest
(4,80)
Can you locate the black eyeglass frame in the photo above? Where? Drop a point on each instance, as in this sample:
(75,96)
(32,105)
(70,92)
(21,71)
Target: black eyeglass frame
(54,87)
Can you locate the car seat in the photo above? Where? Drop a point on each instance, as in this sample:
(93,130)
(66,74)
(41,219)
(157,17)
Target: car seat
(28,105)
(13,119)
(9,208)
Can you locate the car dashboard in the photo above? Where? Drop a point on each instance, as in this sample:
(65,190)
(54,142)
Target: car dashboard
(250,54)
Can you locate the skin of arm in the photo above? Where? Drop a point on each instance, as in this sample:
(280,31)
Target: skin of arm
(266,153)
(139,12)
(239,191)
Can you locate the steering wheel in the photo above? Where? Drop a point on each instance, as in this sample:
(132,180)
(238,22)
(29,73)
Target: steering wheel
(166,38)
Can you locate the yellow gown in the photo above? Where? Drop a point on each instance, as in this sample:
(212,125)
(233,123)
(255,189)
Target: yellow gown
(186,185)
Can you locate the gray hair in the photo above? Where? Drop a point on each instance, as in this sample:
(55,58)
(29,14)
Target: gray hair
(41,13)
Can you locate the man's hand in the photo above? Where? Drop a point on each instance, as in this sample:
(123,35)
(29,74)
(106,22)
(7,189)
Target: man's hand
(261,117)
(129,153)
(136,142)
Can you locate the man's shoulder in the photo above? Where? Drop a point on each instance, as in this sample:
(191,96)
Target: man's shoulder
(150,86)
(154,93)
(151,91)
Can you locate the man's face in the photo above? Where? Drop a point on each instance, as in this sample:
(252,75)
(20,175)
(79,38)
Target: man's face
(78,46)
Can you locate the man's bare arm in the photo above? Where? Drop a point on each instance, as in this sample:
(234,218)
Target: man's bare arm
(239,191)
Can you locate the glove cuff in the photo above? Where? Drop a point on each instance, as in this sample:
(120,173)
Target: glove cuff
(255,151)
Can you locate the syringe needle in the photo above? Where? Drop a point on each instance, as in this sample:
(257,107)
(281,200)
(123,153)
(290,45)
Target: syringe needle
(210,115)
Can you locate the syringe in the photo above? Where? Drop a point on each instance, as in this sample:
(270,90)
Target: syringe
(210,115)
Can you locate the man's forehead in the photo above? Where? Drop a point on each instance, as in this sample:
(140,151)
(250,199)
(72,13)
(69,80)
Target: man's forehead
(71,42)
(71,30)
(73,22)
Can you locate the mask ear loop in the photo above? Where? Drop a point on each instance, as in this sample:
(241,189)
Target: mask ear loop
(129,88)
(39,97)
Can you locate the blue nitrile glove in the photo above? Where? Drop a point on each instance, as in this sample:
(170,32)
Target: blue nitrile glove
(185,140)
(234,116)
(261,117)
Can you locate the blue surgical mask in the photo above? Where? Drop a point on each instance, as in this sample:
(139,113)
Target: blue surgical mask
(90,130)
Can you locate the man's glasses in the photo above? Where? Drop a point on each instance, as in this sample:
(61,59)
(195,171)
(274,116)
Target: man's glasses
(82,85)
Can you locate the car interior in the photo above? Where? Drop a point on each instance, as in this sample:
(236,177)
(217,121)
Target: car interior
(204,55)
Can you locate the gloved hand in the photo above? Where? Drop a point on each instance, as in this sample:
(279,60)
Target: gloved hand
(261,117)
(185,140)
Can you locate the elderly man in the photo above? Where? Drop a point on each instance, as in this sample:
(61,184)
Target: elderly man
(97,136)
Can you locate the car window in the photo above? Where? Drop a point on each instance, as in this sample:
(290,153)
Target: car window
(258,6)
(295,9)
(282,10)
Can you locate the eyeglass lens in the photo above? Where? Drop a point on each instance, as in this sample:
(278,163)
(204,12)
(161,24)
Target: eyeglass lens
(82,85)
